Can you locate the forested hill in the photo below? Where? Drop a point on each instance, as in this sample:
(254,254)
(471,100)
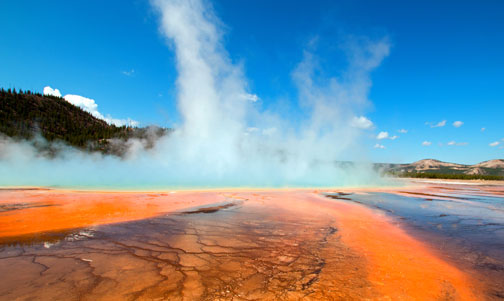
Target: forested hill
(24,114)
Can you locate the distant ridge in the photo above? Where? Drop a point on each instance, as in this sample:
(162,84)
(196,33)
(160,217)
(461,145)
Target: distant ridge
(431,166)
(427,164)
(497,163)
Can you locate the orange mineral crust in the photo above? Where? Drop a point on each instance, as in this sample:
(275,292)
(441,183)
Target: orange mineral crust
(232,245)
(33,210)
(399,266)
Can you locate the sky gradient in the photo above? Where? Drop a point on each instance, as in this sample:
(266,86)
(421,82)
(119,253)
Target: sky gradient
(445,63)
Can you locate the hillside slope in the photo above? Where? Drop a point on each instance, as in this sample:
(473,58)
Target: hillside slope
(23,115)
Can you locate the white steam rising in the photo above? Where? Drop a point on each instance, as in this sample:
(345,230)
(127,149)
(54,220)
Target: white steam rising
(225,139)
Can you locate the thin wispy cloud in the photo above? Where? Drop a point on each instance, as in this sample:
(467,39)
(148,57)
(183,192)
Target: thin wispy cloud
(250,97)
(379,146)
(89,105)
(494,144)
(129,73)
(436,125)
(458,124)
(426,143)
(483,129)
(403,131)
(454,143)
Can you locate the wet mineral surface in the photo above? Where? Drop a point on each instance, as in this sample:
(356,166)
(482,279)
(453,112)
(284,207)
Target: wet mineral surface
(235,245)
(464,223)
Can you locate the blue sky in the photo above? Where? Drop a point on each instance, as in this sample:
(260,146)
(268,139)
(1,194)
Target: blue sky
(445,62)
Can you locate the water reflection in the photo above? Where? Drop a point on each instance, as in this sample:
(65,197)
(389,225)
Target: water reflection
(465,224)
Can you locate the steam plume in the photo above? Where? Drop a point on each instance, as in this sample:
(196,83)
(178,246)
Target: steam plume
(225,138)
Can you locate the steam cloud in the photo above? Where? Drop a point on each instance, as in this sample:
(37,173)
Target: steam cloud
(225,138)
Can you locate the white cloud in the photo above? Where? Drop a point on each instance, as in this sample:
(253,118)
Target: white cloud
(382,135)
(403,131)
(89,105)
(380,146)
(426,143)
(129,73)
(50,91)
(385,135)
(436,125)
(458,124)
(250,97)
(361,123)
(494,144)
(483,129)
(451,143)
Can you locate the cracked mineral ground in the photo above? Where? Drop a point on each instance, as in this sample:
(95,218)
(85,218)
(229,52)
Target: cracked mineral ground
(423,241)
